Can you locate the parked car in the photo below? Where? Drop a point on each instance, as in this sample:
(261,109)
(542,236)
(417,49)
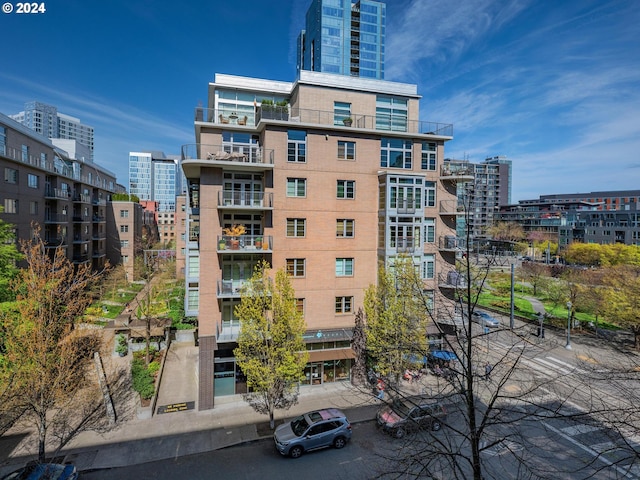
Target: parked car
(409,414)
(44,471)
(484,319)
(317,429)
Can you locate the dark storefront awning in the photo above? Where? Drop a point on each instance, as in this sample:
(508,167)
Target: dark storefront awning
(443,355)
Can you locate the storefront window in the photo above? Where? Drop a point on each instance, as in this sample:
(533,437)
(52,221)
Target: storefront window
(224,378)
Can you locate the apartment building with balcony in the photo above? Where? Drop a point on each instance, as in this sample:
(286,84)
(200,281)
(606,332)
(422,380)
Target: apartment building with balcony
(330,176)
(65,196)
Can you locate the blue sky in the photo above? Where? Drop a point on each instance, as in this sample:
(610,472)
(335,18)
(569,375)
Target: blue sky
(553,85)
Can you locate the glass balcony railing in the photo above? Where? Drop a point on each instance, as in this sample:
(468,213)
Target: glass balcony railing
(241,199)
(244,243)
(246,154)
(396,123)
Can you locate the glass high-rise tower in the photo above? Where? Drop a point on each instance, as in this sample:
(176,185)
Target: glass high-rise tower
(343,37)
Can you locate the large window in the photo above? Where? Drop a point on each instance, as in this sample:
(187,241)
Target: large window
(10,175)
(346,150)
(297,146)
(391,113)
(344,267)
(428,156)
(296,187)
(341,110)
(3,141)
(10,205)
(344,304)
(344,227)
(296,227)
(395,153)
(346,189)
(194,266)
(295,267)
(429,230)
(429,194)
(32,180)
(25,153)
(124,213)
(33,208)
(429,266)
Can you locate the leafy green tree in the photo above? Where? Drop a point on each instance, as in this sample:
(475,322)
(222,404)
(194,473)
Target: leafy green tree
(509,231)
(396,319)
(45,359)
(359,347)
(9,256)
(623,299)
(271,350)
(584,254)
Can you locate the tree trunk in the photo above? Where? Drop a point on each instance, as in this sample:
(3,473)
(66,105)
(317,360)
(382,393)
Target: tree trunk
(272,422)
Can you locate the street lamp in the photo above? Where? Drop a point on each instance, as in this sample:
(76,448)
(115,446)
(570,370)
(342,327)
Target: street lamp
(568,345)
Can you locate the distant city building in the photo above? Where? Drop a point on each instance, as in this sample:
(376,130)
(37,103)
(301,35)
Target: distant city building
(491,188)
(344,38)
(596,217)
(48,122)
(67,197)
(156,177)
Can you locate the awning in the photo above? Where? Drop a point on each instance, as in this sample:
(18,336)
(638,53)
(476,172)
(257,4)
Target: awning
(443,355)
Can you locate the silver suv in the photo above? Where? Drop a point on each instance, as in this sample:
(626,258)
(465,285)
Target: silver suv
(313,430)
(410,414)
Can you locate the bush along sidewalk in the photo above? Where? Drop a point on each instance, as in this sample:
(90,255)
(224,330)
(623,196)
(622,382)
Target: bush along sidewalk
(144,377)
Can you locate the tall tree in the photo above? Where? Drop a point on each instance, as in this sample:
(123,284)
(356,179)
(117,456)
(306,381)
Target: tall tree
(9,256)
(46,358)
(509,231)
(623,299)
(359,346)
(396,319)
(271,350)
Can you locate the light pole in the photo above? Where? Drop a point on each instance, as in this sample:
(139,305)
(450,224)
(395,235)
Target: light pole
(568,345)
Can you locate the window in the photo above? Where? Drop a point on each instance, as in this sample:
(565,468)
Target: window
(295,267)
(33,208)
(395,153)
(300,305)
(346,189)
(124,213)
(124,243)
(125,258)
(32,180)
(25,153)
(429,266)
(428,156)
(391,113)
(344,304)
(344,267)
(429,230)
(429,194)
(124,228)
(341,110)
(346,150)
(296,187)
(297,146)
(10,175)
(3,141)
(193,266)
(344,227)
(10,205)
(296,227)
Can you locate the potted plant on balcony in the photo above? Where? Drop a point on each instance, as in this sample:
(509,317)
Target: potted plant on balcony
(270,110)
(258,242)
(234,232)
(222,244)
(347,121)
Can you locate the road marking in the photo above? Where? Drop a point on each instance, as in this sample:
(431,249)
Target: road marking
(552,365)
(579,429)
(573,367)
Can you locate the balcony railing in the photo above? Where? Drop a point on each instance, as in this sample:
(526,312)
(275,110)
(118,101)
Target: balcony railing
(451,207)
(405,245)
(451,279)
(245,199)
(246,154)
(51,192)
(244,243)
(56,218)
(81,198)
(230,288)
(451,242)
(288,114)
(456,171)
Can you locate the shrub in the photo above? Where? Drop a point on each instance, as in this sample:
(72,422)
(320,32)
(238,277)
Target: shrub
(153,367)
(143,381)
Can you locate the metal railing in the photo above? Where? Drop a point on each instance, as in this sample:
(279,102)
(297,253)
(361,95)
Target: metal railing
(393,123)
(252,154)
(451,207)
(245,199)
(245,243)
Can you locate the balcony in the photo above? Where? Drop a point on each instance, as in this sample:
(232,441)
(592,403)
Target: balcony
(80,258)
(56,193)
(81,198)
(54,242)
(451,208)
(80,218)
(397,123)
(236,156)
(100,202)
(56,218)
(406,206)
(451,243)
(457,173)
(451,280)
(404,245)
(230,288)
(78,239)
(245,200)
(98,219)
(245,244)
